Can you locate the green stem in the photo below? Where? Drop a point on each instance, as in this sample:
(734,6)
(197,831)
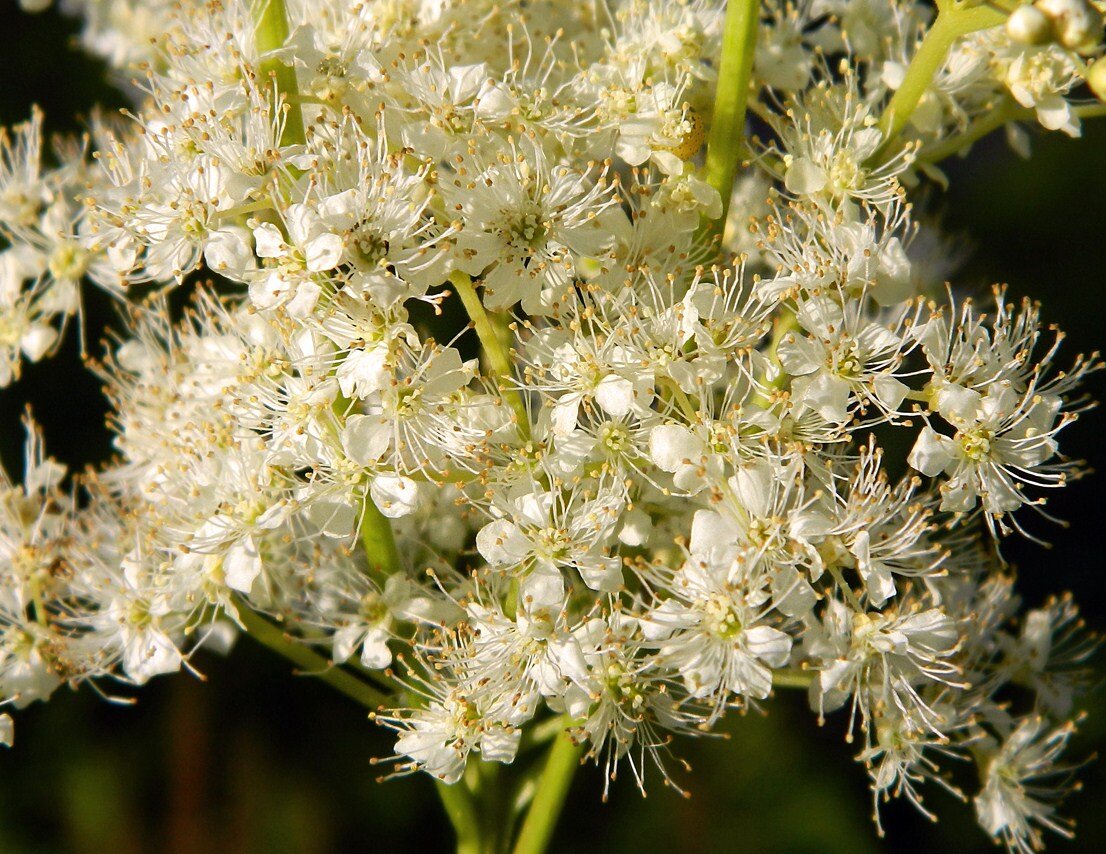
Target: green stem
(846,588)
(549,799)
(497,355)
(536,735)
(792,678)
(992,121)
(379,542)
(461,809)
(785,322)
(490,795)
(377,538)
(308,662)
(689,409)
(735,68)
(1090,111)
(975,131)
(953,21)
(242,210)
(271,33)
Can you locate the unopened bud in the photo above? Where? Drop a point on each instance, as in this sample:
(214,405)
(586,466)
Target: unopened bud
(1059,8)
(1029,25)
(1081,33)
(1096,78)
(1077,25)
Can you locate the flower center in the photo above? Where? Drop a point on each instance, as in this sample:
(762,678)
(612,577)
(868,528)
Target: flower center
(976,444)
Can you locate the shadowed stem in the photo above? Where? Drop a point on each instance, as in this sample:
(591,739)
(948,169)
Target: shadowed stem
(549,797)
(307,662)
(460,806)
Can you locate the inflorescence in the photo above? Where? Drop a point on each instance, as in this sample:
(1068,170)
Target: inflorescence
(495,397)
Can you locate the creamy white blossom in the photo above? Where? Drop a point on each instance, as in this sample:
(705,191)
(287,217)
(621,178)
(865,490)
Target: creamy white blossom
(510,411)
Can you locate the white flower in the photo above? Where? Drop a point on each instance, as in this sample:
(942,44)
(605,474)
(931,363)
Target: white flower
(439,738)
(827,154)
(882,658)
(310,248)
(844,361)
(522,221)
(1008,439)
(717,640)
(616,466)
(1022,783)
(371,628)
(1039,78)
(547,531)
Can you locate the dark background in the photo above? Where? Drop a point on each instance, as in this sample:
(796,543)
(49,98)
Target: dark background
(256,760)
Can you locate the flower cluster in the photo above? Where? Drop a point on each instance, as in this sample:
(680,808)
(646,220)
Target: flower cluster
(496,396)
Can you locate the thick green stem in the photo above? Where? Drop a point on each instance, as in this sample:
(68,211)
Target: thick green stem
(308,662)
(953,21)
(549,799)
(491,794)
(461,809)
(498,358)
(735,68)
(270,34)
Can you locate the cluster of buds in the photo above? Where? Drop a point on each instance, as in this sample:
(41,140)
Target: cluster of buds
(1073,24)
(522,410)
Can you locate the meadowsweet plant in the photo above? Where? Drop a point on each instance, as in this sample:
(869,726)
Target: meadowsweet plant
(556,378)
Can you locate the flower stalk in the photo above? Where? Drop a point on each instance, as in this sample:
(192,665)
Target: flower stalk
(307,662)
(549,798)
(499,359)
(954,20)
(379,542)
(271,34)
(735,69)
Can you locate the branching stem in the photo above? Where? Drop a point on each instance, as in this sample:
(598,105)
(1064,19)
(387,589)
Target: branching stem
(307,662)
(499,359)
(954,20)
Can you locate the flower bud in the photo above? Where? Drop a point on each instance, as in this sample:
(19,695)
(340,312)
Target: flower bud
(1059,8)
(1081,33)
(1076,24)
(1096,79)
(1029,25)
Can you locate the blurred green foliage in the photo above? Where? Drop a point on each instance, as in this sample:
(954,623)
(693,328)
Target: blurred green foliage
(257,760)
